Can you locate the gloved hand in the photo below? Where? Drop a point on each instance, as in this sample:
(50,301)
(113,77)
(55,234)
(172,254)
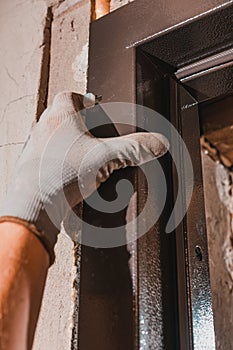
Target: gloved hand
(62,163)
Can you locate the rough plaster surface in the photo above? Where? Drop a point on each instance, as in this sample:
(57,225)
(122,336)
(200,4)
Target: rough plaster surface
(21,36)
(69,50)
(54,329)
(22,47)
(219,231)
(225,191)
(115,4)
(22,26)
(66,5)
(68,69)
(8,157)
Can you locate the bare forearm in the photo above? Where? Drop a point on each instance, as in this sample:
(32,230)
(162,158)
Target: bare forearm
(24,263)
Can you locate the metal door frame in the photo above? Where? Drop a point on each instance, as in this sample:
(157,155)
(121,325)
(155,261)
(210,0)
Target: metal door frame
(154,27)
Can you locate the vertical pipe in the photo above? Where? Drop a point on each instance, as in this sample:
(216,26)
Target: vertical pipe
(102,7)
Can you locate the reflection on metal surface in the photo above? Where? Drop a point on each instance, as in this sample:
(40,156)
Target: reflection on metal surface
(203,65)
(150,293)
(206,71)
(211,83)
(178,25)
(203,330)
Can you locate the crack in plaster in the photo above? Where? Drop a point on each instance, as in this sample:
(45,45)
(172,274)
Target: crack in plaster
(42,98)
(10,76)
(12,102)
(12,144)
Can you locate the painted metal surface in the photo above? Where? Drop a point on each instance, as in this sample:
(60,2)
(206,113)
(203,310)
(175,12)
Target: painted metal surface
(157,275)
(127,29)
(203,85)
(140,301)
(207,63)
(195,236)
(161,17)
(106,311)
(200,38)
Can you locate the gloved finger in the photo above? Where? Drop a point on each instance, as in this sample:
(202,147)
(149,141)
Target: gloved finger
(110,154)
(140,147)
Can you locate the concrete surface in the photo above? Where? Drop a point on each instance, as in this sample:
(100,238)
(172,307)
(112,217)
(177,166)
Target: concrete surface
(69,46)
(21,35)
(68,71)
(54,329)
(69,50)
(115,4)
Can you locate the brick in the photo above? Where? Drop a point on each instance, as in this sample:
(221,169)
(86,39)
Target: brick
(218,206)
(219,144)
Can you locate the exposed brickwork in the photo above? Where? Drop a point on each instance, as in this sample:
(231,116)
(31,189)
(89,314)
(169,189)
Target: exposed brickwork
(219,204)
(219,145)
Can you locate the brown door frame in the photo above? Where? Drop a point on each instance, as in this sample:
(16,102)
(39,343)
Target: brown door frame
(155,27)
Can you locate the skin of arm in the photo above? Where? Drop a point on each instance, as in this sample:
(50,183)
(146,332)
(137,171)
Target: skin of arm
(24,264)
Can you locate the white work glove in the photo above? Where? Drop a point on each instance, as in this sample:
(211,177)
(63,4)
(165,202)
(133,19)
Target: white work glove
(62,163)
